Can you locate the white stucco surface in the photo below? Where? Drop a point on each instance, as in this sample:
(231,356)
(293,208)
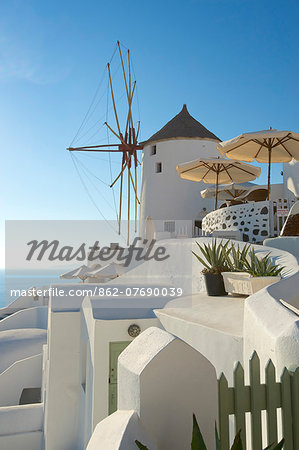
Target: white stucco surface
(251,219)
(20,419)
(78,347)
(97,338)
(21,427)
(19,344)
(287,243)
(25,373)
(222,313)
(165,380)
(119,432)
(208,324)
(36,317)
(203,334)
(291,178)
(270,328)
(63,382)
(32,440)
(23,302)
(181,199)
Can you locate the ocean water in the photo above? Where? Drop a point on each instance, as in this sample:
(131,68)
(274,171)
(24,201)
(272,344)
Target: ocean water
(26,280)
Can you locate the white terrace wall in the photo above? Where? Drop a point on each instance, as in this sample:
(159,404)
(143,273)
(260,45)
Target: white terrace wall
(26,373)
(255,220)
(21,427)
(119,431)
(179,270)
(25,301)
(70,415)
(263,329)
(19,344)
(183,271)
(106,320)
(63,399)
(271,328)
(63,370)
(251,219)
(165,381)
(36,317)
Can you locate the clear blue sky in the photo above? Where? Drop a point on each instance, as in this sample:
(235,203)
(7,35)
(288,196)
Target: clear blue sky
(234,62)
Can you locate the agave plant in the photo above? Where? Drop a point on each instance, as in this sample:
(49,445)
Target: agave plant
(263,267)
(236,258)
(198,442)
(216,256)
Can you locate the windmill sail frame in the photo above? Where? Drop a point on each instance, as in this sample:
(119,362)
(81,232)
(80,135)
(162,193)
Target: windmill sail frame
(128,145)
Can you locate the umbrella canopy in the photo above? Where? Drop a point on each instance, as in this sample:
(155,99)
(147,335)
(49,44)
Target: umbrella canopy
(256,194)
(110,271)
(81,272)
(228,191)
(218,171)
(263,146)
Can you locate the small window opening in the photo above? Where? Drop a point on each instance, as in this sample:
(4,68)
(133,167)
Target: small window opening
(153,150)
(158,167)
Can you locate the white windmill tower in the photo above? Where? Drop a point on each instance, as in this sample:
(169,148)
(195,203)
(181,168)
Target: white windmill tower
(167,200)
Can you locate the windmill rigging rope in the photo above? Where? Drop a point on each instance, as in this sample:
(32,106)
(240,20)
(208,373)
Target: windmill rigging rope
(96,188)
(94,98)
(98,121)
(96,157)
(91,198)
(88,111)
(91,111)
(88,170)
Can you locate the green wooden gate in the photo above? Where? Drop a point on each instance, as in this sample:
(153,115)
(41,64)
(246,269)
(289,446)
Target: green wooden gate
(257,397)
(115,349)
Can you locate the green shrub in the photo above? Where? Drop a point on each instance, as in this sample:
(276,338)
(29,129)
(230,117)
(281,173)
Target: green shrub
(263,267)
(237,257)
(198,442)
(215,257)
(219,257)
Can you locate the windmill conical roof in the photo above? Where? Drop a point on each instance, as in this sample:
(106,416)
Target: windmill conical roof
(183,125)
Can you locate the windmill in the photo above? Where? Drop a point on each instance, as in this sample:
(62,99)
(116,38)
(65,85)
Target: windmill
(128,142)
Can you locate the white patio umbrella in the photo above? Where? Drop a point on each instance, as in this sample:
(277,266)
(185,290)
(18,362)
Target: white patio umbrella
(110,271)
(265,146)
(81,272)
(218,171)
(228,191)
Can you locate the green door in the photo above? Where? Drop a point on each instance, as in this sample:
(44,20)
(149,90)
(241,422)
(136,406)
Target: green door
(115,349)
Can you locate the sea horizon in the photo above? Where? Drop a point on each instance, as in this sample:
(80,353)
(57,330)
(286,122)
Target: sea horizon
(25,279)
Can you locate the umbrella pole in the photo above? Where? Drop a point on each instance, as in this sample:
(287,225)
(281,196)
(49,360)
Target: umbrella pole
(216,193)
(269,173)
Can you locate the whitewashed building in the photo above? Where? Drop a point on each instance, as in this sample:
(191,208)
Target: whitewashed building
(96,369)
(291,178)
(92,399)
(165,197)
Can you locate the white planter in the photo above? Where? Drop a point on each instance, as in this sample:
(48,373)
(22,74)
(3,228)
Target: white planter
(244,283)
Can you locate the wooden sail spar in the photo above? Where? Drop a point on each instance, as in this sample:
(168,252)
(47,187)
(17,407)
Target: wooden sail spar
(128,143)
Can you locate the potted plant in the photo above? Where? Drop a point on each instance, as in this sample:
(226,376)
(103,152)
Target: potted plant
(248,273)
(215,262)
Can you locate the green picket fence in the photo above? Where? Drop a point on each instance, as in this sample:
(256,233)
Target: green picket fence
(257,397)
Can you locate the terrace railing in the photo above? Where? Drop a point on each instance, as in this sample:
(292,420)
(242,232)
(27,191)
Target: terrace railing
(255,220)
(255,398)
(278,214)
